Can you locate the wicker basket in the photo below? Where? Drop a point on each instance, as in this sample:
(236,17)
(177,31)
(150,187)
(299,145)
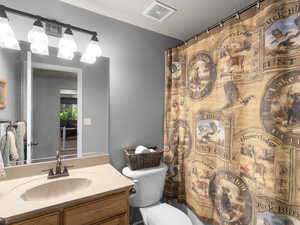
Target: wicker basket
(143,160)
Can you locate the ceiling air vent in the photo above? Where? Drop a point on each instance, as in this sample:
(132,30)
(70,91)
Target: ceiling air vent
(158,11)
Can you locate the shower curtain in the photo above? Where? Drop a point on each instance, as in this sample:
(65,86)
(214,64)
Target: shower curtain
(232,119)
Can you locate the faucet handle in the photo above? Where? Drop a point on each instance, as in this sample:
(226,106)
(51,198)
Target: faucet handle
(57,155)
(66,171)
(51,173)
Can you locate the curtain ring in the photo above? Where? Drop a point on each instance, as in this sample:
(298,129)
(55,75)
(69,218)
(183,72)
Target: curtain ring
(237,16)
(221,24)
(207,31)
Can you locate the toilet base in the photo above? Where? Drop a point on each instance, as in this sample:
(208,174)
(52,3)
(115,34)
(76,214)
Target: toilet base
(164,214)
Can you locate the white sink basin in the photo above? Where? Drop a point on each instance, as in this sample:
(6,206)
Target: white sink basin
(56,189)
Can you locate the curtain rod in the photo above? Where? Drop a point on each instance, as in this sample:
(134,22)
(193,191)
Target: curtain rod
(44,19)
(254,4)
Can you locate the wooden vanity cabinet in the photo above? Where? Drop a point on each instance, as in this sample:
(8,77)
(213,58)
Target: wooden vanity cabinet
(106,210)
(119,220)
(48,219)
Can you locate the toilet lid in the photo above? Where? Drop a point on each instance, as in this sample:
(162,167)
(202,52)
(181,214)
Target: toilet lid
(164,214)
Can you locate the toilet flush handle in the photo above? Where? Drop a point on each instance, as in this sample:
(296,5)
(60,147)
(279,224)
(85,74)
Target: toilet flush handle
(133,189)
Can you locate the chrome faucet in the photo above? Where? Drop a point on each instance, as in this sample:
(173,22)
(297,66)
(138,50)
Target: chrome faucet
(58,169)
(58,163)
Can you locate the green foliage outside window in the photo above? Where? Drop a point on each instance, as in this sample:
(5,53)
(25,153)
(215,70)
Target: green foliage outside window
(69,113)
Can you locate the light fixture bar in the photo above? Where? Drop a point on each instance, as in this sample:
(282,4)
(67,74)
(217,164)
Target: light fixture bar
(44,19)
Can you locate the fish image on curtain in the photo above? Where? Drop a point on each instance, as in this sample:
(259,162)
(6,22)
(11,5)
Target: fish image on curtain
(235,160)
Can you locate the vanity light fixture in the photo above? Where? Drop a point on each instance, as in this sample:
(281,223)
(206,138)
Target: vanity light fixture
(92,52)
(7,36)
(67,45)
(39,43)
(38,38)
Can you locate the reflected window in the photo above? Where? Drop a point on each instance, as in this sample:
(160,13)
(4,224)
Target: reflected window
(68,121)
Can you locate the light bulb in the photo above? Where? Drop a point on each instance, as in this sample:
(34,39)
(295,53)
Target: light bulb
(92,52)
(7,36)
(87,58)
(38,39)
(67,45)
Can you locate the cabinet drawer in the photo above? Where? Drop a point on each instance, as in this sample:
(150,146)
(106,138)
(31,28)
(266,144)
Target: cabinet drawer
(120,220)
(51,219)
(92,212)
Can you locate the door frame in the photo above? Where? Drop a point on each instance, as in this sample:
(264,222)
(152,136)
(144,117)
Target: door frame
(36,65)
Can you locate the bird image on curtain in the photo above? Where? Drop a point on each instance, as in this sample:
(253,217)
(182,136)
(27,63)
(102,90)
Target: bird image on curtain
(232,119)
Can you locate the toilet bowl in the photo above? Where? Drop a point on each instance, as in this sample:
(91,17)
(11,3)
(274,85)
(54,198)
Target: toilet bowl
(149,185)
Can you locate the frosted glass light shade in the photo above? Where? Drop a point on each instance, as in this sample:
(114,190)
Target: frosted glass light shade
(87,58)
(7,36)
(65,54)
(39,40)
(92,52)
(94,49)
(67,47)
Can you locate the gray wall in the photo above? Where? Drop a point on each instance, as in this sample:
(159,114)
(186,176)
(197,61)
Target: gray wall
(136,71)
(10,71)
(46,109)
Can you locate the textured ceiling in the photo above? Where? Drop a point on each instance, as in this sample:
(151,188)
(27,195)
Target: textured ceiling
(192,16)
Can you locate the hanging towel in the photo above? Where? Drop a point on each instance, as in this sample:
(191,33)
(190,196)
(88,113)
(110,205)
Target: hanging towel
(12,145)
(8,148)
(4,149)
(20,132)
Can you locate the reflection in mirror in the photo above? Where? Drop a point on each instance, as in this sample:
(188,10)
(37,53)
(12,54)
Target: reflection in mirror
(68,121)
(54,104)
(43,103)
(12,124)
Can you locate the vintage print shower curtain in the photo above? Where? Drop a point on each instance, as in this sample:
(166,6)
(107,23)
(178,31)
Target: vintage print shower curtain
(232,119)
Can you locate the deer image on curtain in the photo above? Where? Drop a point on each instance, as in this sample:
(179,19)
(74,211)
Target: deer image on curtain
(232,119)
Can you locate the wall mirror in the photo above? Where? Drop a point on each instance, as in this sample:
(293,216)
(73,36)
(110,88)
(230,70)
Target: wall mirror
(48,104)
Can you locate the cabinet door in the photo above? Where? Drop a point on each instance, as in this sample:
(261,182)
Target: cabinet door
(119,220)
(98,210)
(51,219)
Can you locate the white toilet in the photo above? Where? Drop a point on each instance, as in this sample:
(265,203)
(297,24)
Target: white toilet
(149,185)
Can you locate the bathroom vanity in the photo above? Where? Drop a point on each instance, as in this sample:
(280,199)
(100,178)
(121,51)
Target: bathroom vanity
(109,209)
(93,194)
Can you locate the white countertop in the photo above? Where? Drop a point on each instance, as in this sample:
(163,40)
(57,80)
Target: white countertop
(104,178)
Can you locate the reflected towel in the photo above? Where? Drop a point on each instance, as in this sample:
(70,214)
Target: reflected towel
(20,132)
(4,149)
(12,146)
(8,148)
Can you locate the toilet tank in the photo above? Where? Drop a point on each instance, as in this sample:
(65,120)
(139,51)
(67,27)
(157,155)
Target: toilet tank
(149,185)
